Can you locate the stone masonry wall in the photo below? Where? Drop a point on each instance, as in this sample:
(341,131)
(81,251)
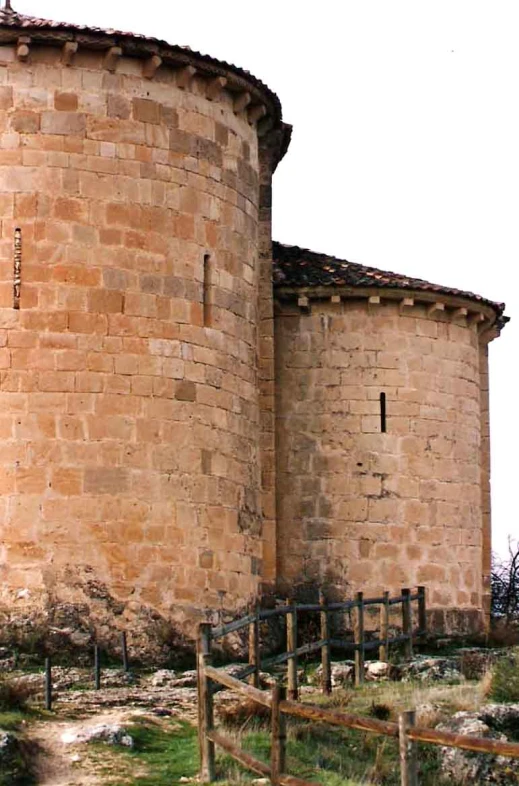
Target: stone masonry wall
(129,417)
(363,510)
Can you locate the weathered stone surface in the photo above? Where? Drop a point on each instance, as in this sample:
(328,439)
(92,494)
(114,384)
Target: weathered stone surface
(378,670)
(468,767)
(116,387)
(112,734)
(342,673)
(140,448)
(425,669)
(365,510)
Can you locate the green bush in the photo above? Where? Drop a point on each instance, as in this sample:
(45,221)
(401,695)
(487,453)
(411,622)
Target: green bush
(504,685)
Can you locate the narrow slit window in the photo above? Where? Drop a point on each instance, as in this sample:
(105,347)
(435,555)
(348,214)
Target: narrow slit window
(383,413)
(206,302)
(17,267)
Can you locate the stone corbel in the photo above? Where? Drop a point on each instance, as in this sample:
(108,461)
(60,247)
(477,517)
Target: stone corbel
(434,308)
(255,113)
(460,313)
(67,53)
(185,76)
(112,58)
(151,66)
(241,102)
(405,303)
(488,334)
(374,300)
(476,318)
(304,304)
(214,87)
(23,48)
(265,125)
(336,299)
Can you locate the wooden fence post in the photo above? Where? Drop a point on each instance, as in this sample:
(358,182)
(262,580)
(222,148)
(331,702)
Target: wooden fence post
(383,650)
(124,651)
(292,647)
(278,736)
(48,684)
(407,623)
(408,758)
(325,649)
(359,640)
(254,648)
(205,704)
(97,667)
(422,611)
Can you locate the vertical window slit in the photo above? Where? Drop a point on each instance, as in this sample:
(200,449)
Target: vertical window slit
(17,267)
(383,413)
(206,296)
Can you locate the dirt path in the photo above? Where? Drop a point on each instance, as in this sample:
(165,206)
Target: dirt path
(67,764)
(62,763)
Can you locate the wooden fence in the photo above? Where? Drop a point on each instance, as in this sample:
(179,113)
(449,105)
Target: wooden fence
(360,645)
(405,730)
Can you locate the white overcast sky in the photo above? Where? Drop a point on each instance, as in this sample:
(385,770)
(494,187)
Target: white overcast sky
(405,151)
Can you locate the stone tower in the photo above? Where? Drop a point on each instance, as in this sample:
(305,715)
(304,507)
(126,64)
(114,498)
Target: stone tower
(383,435)
(136,329)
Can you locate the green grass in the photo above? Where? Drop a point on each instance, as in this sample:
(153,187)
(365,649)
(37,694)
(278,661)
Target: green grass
(165,755)
(11,720)
(316,752)
(333,757)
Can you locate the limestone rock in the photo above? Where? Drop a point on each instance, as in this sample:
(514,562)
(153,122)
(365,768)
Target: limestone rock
(342,673)
(501,717)
(424,669)
(478,768)
(7,744)
(163,677)
(112,734)
(377,670)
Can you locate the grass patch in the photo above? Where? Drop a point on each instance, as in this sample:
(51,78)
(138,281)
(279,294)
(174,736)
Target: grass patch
(11,721)
(165,755)
(332,757)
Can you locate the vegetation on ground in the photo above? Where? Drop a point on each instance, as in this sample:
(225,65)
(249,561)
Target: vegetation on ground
(504,679)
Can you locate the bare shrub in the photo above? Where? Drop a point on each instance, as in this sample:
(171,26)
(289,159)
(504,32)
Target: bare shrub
(14,694)
(505,584)
(238,713)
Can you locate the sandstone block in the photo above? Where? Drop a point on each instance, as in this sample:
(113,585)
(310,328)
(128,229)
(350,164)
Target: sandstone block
(63,123)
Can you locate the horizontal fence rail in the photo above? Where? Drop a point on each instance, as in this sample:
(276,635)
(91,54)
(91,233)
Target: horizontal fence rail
(406,731)
(292,612)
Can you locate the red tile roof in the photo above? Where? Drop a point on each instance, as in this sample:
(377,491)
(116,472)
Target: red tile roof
(298,268)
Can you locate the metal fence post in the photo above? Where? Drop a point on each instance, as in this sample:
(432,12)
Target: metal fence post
(407,623)
(48,684)
(292,647)
(383,650)
(422,611)
(278,736)
(325,649)
(359,640)
(124,651)
(97,667)
(254,648)
(408,757)
(205,704)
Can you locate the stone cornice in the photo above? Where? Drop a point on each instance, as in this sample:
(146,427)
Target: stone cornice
(455,308)
(261,106)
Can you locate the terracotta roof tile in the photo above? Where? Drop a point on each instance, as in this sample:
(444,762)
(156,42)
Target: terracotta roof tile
(297,268)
